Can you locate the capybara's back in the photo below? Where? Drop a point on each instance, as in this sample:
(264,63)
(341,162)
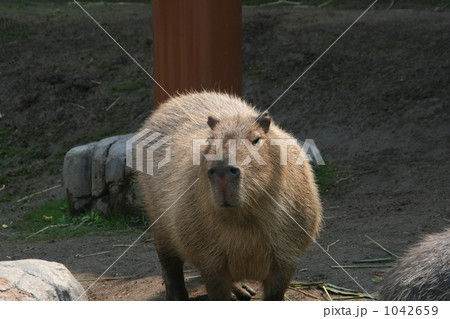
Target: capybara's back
(237,198)
(423,274)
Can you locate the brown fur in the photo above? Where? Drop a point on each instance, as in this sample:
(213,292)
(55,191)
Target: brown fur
(255,240)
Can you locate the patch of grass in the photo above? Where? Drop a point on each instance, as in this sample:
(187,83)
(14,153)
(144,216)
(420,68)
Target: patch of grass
(387,46)
(61,151)
(328,175)
(258,2)
(6,131)
(15,34)
(106,65)
(8,151)
(21,4)
(116,1)
(52,165)
(144,93)
(433,2)
(54,162)
(34,151)
(128,86)
(30,133)
(100,134)
(130,1)
(6,196)
(254,70)
(361,3)
(31,61)
(55,218)
(17,151)
(29,152)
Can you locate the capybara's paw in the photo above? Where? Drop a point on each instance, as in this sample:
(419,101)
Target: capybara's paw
(242,292)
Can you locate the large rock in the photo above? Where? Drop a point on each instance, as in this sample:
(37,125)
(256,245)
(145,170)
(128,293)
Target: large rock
(77,177)
(34,279)
(115,164)
(96,177)
(100,154)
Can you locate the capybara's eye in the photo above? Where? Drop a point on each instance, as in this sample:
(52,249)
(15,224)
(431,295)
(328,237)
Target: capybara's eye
(256,140)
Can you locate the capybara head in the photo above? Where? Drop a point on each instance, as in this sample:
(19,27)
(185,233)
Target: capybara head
(238,160)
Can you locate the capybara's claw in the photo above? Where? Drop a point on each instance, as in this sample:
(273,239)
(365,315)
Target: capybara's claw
(242,291)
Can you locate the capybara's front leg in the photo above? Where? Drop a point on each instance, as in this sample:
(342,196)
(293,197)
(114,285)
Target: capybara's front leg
(218,286)
(276,284)
(173,277)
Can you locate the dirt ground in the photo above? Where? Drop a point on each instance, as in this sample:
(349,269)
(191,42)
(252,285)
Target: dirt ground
(377,104)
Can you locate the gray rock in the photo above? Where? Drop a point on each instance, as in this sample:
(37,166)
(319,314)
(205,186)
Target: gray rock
(116,161)
(96,177)
(78,162)
(77,177)
(34,279)
(99,157)
(102,205)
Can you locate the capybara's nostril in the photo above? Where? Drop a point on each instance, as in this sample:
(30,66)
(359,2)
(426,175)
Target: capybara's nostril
(233,171)
(211,172)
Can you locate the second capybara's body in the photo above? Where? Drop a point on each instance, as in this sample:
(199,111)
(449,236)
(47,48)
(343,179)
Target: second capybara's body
(423,274)
(245,215)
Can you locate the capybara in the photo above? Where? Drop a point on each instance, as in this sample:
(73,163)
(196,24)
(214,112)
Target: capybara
(423,274)
(236,217)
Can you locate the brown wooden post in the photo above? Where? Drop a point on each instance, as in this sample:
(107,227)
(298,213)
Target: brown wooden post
(197,44)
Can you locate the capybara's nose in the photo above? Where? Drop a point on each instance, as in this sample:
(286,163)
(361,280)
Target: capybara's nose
(232,172)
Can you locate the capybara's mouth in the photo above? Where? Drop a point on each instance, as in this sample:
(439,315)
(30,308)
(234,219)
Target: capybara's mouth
(228,205)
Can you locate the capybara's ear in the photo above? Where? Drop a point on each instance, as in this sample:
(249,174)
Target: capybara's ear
(212,122)
(264,120)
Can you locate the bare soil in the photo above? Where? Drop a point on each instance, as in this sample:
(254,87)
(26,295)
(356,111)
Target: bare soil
(377,104)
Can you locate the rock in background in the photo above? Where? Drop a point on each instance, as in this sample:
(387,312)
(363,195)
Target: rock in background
(34,279)
(96,177)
